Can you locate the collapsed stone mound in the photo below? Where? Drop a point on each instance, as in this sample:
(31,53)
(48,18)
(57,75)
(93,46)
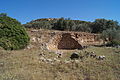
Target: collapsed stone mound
(67,42)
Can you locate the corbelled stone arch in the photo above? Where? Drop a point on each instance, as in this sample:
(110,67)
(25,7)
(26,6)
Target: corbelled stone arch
(69,43)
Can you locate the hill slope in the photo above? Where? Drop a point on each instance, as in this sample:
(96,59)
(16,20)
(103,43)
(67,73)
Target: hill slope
(38,63)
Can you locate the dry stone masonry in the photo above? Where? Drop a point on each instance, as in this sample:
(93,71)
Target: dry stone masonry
(54,40)
(67,42)
(73,40)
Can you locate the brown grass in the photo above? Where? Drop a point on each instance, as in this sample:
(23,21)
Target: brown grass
(25,65)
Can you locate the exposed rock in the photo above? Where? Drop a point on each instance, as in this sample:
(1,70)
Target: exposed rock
(34,30)
(33,39)
(81,57)
(66,61)
(100,57)
(74,56)
(1,64)
(93,55)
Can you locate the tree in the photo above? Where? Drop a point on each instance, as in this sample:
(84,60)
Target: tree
(82,27)
(3,14)
(112,36)
(99,25)
(59,25)
(12,34)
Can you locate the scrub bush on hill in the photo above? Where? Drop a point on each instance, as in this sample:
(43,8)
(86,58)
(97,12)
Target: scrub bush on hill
(66,24)
(113,43)
(13,35)
(113,36)
(63,24)
(99,25)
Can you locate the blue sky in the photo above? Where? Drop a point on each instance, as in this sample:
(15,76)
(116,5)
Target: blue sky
(88,10)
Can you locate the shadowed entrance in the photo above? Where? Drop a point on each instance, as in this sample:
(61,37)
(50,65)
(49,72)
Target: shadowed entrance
(67,42)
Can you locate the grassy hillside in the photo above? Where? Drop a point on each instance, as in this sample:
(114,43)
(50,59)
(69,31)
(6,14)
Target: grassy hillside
(26,65)
(40,64)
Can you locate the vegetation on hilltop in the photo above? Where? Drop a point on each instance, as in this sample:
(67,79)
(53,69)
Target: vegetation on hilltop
(112,36)
(66,24)
(12,34)
(109,29)
(63,24)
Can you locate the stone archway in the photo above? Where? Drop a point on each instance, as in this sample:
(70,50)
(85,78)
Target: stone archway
(67,42)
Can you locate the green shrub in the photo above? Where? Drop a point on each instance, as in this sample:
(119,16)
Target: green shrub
(113,43)
(12,34)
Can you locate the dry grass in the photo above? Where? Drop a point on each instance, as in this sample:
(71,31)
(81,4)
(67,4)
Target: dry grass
(26,65)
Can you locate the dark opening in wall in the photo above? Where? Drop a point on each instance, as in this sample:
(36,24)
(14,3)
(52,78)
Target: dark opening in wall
(67,42)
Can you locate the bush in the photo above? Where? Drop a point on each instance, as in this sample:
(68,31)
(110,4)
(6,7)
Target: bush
(99,25)
(113,43)
(63,24)
(12,34)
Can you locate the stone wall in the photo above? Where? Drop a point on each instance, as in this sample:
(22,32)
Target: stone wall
(73,40)
(54,40)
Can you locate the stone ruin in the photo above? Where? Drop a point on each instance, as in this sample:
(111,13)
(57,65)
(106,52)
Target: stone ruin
(54,40)
(67,42)
(73,40)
